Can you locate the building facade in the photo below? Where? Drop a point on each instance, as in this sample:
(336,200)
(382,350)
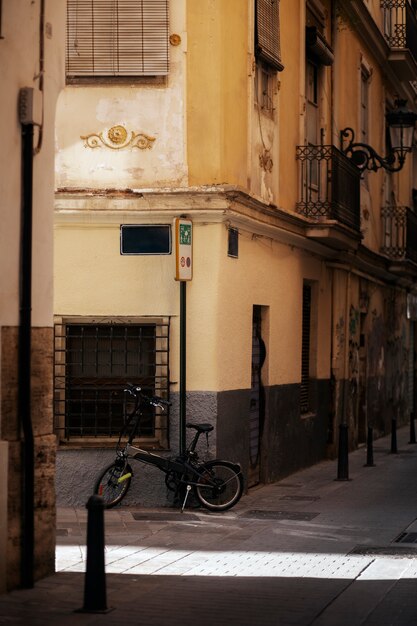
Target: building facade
(32,59)
(300,311)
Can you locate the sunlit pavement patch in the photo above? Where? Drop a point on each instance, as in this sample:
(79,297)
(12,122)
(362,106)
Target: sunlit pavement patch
(162,561)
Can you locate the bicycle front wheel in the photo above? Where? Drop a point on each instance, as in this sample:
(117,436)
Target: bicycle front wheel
(113,483)
(220,485)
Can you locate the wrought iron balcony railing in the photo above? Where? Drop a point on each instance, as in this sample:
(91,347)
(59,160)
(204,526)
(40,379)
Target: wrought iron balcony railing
(399,233)
(400,25)
(329,186)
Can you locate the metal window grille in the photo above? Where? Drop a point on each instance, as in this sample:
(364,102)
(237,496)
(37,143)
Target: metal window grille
(400,24)
(267,33)
(329,185)
(117,38)
(399,232)
(93,362)
(305,351)
(394,18)
(265,87)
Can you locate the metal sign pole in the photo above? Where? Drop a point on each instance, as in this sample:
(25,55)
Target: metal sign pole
(183,364)
(183,273)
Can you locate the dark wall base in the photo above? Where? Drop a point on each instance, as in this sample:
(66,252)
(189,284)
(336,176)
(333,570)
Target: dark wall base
(289,441)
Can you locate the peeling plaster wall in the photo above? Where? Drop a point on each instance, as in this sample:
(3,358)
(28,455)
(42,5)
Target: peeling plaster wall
(370,357)
(153,109)
(387,332)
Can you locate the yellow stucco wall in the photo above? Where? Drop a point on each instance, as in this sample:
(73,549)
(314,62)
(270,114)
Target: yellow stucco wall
(354,53)
(155,109)
(19,67)
(213,70)
(217,91)
(220,298)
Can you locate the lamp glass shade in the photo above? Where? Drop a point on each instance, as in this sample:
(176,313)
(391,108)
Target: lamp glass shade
(401,127)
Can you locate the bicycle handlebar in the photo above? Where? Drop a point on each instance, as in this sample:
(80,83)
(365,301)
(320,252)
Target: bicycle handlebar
(136,392)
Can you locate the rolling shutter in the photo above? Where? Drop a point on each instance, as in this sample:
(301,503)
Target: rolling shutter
(305,351)
(267,33)
(117,38)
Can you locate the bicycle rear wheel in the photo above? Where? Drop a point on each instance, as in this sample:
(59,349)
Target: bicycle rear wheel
(113,483)
(220,486)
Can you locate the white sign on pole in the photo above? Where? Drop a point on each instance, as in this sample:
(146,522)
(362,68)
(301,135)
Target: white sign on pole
(183,249)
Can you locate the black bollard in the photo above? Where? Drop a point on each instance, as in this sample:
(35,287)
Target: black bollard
(343,460)
(95,577)
(412,429)
(394,449)
(370,449)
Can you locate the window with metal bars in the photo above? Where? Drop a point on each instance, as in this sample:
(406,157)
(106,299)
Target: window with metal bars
(305,350)
(93,363)
(265,88)
(117,38)
(267,33)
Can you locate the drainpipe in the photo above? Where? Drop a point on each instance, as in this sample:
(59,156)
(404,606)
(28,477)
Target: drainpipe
(30,115)
(24,357)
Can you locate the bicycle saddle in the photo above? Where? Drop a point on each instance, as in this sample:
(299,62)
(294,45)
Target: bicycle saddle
(202,428)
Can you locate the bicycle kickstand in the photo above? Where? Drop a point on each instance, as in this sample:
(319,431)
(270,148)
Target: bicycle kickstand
(185,499)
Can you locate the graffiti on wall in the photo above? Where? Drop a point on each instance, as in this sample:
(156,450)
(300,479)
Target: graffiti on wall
(387,362)
(353,374)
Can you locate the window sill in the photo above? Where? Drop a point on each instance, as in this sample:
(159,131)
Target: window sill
(153,445)
(111,81)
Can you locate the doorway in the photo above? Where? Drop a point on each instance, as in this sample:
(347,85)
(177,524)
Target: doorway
(257,399)
(363,386)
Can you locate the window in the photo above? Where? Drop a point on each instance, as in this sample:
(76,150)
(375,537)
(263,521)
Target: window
(319,55)
(117,38)
(267,33)
(312,96)
(387,17)
(312,120)
(265,88)
(366,74)
(233,242)
(364,121)
(93,362)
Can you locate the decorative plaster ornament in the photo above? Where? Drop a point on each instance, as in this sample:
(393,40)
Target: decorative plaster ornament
(117,138)
(265,161)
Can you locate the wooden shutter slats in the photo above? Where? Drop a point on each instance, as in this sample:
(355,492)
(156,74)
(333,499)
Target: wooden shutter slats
(267,35)
(117,37)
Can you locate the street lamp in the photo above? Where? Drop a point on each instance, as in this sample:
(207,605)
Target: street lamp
(400,123)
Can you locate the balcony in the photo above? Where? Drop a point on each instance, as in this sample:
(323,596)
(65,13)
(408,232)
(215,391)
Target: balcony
(400,31)
(329,195)
(399,235)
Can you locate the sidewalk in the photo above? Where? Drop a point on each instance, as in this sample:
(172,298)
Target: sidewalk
(306,550)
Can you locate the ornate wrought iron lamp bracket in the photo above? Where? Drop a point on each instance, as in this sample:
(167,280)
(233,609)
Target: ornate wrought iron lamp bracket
(366,158)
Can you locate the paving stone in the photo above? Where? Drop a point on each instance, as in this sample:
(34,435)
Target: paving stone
(342,567)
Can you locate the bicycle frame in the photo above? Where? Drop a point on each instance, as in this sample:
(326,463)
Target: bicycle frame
(179,466)
(185,469)
(166,465)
